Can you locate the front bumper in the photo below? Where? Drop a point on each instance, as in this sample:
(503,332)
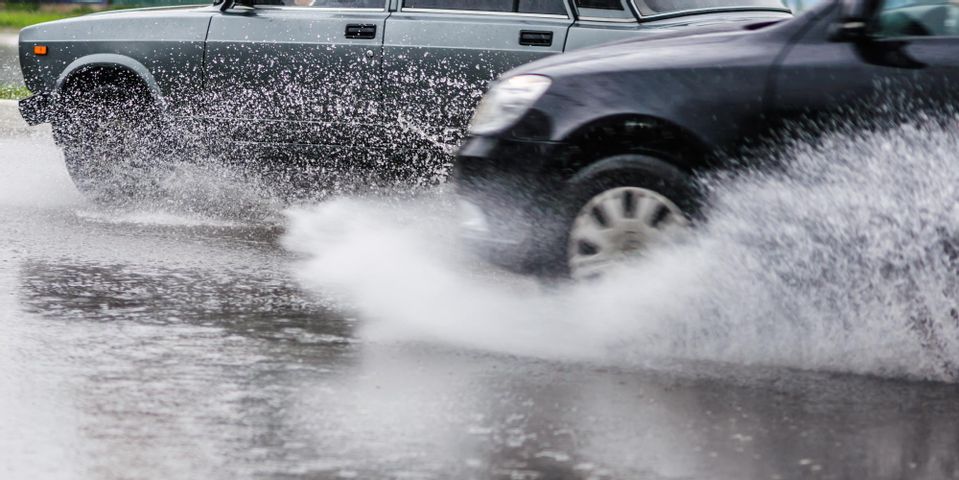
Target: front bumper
(507,191)
(37,109)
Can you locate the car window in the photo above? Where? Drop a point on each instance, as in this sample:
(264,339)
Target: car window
(378,4)
(600,4)
(918,18)
(483,5)
(608,10)
(555,7)
(552,7)
(650,8)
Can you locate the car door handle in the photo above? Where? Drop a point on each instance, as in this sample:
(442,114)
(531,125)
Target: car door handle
(362,31)
(536,39)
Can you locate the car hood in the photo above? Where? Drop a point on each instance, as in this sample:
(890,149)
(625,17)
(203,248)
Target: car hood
(673,45)
(181,23)
(98,17)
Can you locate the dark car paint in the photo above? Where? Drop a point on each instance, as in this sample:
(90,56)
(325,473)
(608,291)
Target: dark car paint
(708,93)
(713,84)
(918,69)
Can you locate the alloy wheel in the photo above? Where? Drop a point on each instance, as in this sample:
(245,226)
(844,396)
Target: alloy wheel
(618,224)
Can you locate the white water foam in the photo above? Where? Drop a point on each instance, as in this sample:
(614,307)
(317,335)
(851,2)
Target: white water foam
(840,261)
(153,218)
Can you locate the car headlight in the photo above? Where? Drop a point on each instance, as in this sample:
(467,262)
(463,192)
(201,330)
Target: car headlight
(507,102)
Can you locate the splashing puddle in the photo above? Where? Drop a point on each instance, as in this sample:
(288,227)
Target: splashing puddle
(155,218)
(844,260)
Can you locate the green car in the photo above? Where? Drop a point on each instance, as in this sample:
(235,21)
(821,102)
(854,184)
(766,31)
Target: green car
(322,88)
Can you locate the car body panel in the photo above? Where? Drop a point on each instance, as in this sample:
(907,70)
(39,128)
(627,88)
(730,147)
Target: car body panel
(721,90)
(895,70)
(288,75)
(272,66)
(112,60)
(454,60)
(168,44)
(585,34)
(462,52)
(701,90)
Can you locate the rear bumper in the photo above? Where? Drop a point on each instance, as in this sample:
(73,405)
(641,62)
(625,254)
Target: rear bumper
(37,109)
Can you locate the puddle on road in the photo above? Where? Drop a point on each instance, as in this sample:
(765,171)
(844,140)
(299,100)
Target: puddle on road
(845,262)
(163,343)
(155,218)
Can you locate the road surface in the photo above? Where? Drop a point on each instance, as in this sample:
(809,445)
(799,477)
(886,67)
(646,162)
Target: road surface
(155,344)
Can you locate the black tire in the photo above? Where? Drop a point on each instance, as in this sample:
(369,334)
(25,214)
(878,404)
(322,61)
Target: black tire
(629,170)
(112,140)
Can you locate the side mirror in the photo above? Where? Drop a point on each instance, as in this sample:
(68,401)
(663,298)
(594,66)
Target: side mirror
(855,18)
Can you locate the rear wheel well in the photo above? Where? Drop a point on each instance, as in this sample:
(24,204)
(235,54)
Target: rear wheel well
(85,79)
(93,93)
(635,134)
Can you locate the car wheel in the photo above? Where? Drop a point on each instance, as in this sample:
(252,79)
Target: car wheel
(622,214)
(112,140)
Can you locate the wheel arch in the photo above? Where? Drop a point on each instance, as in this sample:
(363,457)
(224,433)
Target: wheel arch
(113,67)
(647,135)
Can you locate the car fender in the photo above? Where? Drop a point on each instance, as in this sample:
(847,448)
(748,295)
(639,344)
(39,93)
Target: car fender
(110,60)
(620,133)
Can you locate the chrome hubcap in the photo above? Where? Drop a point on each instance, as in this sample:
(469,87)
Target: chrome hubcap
(618,224)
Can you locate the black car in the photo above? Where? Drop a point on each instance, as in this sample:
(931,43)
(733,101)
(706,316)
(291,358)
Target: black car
(576,160)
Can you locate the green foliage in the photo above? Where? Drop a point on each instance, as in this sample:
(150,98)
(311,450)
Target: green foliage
(13,92)
(19,15)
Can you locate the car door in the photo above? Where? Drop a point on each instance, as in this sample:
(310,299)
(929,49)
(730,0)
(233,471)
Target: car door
(911,57)
(296,71)
(440,56)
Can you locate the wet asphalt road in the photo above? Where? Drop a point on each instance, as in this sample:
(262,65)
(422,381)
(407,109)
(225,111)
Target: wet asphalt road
(147,344)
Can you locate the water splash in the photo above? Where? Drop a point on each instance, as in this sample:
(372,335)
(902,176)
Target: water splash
(841,260)
(188,193)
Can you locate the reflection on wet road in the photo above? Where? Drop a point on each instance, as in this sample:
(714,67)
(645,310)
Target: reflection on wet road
(150,344)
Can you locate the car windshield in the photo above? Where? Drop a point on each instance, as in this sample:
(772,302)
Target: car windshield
(650,8)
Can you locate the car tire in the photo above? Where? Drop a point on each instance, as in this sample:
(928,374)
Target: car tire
(112,141)
(662,201)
